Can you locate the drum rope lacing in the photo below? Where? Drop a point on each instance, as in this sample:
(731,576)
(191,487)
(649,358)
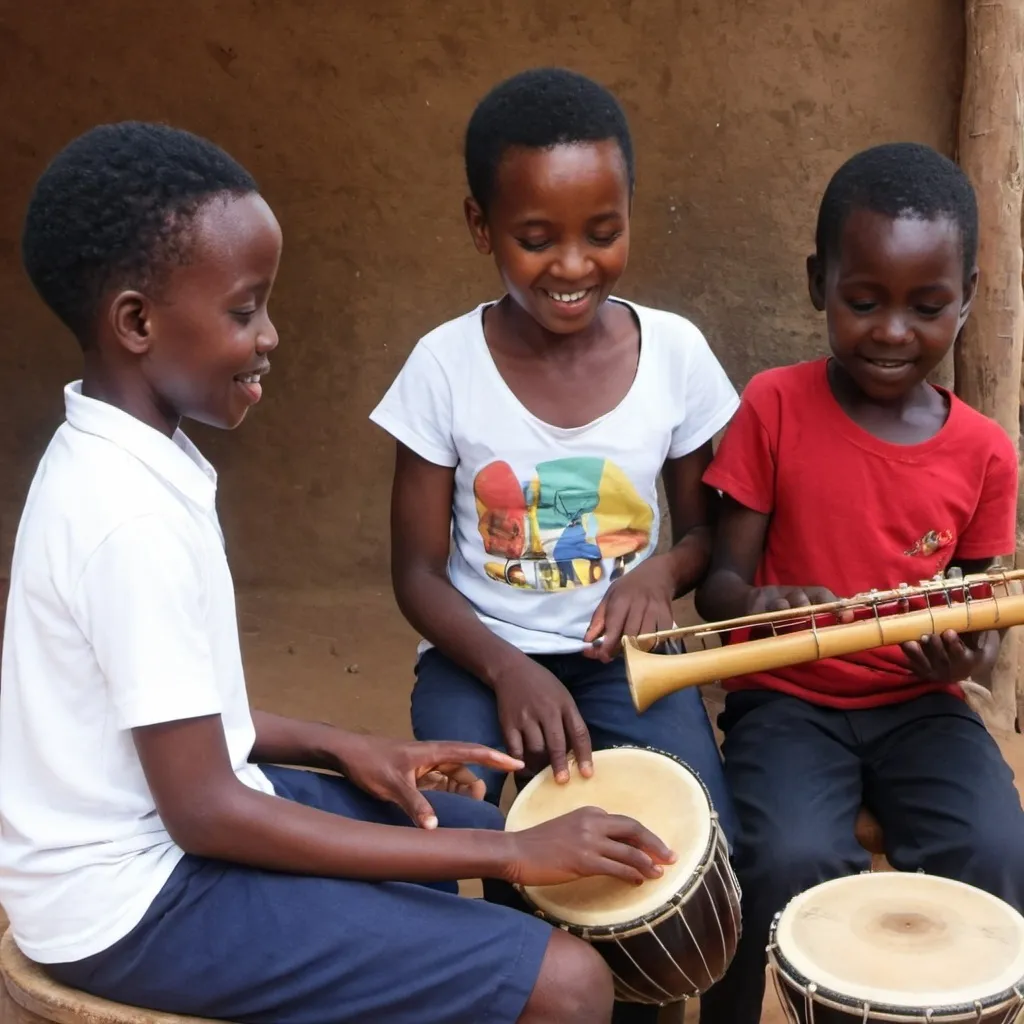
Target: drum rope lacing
(647,977)
(809,991)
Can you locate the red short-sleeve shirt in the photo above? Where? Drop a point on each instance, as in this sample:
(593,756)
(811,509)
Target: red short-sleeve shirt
(852,513)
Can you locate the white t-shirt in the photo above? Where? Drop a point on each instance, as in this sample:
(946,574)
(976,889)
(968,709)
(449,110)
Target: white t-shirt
(545,517)
(121,613)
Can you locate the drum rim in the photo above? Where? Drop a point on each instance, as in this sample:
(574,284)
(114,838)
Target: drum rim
(839,1001)
(636,925)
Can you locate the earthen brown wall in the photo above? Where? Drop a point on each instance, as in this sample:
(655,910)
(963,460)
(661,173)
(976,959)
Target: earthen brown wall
(351,114)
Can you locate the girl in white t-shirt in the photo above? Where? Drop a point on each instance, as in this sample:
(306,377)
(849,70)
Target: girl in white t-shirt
(531,433)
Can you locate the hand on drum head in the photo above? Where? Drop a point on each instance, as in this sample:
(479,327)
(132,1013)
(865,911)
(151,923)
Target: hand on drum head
(540,721)
(584,843)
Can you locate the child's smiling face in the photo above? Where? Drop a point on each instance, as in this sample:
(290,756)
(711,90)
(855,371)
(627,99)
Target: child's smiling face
(558,228)
(895,299)
(203,337)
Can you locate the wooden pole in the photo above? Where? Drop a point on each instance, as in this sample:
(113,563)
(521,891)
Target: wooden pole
(988,358)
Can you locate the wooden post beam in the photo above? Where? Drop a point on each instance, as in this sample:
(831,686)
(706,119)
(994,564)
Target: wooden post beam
(988,358)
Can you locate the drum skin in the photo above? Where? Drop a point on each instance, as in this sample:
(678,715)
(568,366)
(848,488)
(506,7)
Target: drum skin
(898,947)
(676,942)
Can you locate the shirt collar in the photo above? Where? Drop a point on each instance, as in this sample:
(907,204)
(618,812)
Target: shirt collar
(176,460)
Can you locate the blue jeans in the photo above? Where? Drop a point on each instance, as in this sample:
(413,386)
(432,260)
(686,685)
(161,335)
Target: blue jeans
(450,704)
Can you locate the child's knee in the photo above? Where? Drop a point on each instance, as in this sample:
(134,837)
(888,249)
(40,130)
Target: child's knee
(776,869)
(990,859)
(455,811)
(574,985)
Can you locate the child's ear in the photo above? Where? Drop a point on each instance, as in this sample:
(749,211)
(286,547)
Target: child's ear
(129,318)
(816,282)
(969,292)
(477,224)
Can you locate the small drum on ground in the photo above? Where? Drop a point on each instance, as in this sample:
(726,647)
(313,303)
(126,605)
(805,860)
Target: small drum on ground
(898,947)
(670,938)
(38,999)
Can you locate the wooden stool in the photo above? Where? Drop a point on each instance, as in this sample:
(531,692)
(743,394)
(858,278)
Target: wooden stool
(40,1000)
(869,833)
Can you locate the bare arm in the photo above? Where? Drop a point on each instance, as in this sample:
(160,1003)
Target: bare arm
(728,589)
(693,508)
(289,741)
(421,515)
(210,813)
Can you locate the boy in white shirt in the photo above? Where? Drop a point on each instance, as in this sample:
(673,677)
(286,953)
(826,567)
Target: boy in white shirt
(151,852)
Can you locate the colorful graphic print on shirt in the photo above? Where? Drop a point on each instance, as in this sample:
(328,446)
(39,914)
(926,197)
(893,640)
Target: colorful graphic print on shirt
(573,522)
(930,543)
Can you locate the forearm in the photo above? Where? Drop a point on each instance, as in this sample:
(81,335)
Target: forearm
(446,619)
(291,741)
(723,595)
(248,827)
(689,558)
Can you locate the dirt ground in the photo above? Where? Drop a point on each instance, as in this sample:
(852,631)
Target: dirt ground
(346,656)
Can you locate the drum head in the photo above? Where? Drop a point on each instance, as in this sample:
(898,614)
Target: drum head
(653,788)
(903,940)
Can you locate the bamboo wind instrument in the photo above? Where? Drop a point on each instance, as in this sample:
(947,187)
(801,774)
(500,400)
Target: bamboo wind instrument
(880,618)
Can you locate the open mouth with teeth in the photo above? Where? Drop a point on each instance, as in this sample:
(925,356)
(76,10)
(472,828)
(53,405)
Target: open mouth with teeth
(250,383)
(568,298)
(888,364)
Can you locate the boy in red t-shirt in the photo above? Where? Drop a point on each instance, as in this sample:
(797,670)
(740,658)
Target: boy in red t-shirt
(842,475)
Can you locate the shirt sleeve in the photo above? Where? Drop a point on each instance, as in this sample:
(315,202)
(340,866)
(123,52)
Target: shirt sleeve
(709,400)
(992,530)
(142,604)
(744,465)
(417,409)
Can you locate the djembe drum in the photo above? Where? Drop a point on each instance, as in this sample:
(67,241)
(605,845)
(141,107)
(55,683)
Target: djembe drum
(670,938)
(901,948)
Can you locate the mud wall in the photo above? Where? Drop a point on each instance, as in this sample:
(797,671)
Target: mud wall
(351,114)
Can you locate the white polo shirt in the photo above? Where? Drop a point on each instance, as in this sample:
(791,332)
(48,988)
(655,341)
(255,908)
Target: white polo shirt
(121,614)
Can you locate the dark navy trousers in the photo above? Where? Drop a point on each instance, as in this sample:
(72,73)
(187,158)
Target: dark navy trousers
(927,769)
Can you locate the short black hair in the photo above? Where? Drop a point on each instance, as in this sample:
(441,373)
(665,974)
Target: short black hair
(540,109)
(899,179)
(114,208)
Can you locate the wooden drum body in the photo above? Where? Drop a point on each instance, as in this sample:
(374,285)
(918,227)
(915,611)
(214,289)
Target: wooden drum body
(898,947)
(670,938)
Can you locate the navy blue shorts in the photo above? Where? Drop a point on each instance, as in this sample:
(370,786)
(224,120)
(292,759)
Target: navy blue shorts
(235,943)
(450,704)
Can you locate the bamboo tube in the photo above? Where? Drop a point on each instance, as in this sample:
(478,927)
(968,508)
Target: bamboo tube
(652,676)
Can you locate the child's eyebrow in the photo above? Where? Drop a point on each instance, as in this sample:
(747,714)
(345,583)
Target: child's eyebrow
(540,222)
(245,285)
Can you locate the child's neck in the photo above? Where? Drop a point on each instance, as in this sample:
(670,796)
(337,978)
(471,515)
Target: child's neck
(128,392)
(514,331)
(910,418)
